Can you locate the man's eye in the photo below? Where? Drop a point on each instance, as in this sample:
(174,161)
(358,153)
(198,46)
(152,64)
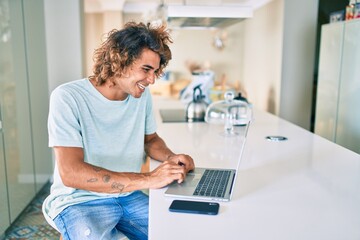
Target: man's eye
(146,70)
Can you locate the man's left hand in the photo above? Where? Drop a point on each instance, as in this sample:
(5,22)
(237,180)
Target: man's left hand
(183,160)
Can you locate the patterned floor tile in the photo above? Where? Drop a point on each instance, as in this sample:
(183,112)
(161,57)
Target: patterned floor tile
(32,224)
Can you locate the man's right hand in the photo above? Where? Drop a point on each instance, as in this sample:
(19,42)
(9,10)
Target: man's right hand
(166,173)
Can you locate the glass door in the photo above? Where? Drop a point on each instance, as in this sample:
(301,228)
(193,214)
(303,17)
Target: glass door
(4,203)
(14,98)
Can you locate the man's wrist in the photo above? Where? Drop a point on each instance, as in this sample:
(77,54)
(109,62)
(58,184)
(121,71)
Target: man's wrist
(147,178)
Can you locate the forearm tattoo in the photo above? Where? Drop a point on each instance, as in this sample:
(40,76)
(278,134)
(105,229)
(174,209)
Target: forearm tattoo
(97,169)
(92,180)
(117,186)
(106,178)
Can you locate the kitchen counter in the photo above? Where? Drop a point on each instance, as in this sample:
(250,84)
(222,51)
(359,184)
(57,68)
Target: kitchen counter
(304,188)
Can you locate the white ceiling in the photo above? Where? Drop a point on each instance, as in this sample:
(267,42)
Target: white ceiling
(141,6)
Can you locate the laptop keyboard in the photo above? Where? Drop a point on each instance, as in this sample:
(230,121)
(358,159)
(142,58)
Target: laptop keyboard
(212,183)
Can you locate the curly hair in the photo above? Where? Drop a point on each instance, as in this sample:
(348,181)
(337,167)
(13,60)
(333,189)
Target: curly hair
(123,47)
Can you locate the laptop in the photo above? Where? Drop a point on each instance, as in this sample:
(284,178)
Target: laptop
(214,184)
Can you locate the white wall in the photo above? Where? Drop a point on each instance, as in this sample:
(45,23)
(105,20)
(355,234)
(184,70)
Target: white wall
(197,46)
(263,56)
(298,59)
(93,37)
(97,25)
(38,86)
(279,58)
(64,43)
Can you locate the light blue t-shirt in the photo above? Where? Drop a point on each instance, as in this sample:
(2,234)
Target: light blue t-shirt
(111,134)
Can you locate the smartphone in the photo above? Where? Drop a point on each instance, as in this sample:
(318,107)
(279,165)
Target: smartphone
(184,206)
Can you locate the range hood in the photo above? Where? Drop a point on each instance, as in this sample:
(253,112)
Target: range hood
(204,17)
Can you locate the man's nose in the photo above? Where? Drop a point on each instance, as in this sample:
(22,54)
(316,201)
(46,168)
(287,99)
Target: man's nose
(151,78)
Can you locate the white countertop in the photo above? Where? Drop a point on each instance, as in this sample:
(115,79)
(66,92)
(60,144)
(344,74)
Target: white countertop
(303,188)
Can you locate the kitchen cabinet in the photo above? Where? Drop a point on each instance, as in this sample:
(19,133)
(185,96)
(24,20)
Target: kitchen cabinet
(348,127)
(25,159)
(329,81)
(337,115)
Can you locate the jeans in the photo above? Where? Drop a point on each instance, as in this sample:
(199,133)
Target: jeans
(106,218)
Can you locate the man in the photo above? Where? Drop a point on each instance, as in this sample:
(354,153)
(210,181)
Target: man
(100,128)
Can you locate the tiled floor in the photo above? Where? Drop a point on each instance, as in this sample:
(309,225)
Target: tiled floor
(31,224)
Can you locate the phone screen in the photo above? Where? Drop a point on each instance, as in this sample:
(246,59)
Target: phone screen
(210,208)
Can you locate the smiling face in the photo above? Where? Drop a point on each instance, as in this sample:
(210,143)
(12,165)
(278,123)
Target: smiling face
(130,59)
(138,76)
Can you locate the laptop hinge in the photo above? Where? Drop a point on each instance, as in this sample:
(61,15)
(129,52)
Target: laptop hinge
(232,183)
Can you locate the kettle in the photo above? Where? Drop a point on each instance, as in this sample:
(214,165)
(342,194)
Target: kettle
(196,109)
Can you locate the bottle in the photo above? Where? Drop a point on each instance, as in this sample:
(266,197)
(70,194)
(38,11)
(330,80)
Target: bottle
(349,11)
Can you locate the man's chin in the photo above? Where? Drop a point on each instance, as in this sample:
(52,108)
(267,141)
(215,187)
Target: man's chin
(137,95)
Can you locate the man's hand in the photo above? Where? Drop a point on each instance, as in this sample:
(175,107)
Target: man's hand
(174,169)
(165,174)
(183,160)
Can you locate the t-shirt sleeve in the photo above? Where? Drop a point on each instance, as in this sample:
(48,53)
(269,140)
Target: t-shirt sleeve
(150,124)
(63,121)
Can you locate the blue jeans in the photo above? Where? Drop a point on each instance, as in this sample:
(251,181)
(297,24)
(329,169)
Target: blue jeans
(106,218)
